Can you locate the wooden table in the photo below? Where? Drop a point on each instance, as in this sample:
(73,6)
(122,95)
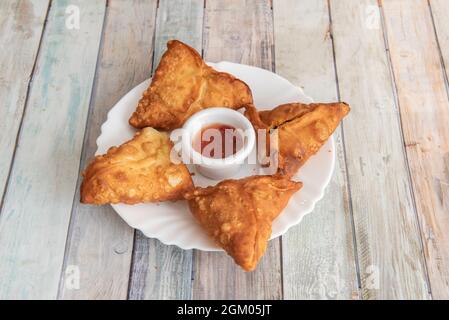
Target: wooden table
(380,232)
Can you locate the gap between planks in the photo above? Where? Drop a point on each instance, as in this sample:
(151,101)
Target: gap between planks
(404,151)
(29,84)
(424,111)
(440,51)
(351,210)
(159,271)
(398,278)
(82,155)
(101,242)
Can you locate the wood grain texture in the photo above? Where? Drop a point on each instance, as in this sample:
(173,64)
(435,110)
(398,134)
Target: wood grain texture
(21,25)
(178,18)
(440,12)
(395,182)
(36,211)
(424,108)
(388,242)
(318,255)
(238,31)
(160,271)
(100,243)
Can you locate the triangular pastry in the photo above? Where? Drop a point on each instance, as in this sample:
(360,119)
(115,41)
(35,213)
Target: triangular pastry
(302,129)
(182,85)
(238,214)
(139,170)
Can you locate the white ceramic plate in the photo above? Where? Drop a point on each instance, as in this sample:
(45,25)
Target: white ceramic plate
(171,222)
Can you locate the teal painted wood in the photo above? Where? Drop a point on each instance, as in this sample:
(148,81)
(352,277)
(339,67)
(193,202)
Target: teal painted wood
(100,243)
(38,201)
(318,254)
(21,25)
(242,32)
(386,227)
(160,271)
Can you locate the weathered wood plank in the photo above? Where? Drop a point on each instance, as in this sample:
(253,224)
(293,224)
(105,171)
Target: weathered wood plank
(21,25)
(424,108)
(318,255)
(238,31)
(160,271)
(178,19)
(388,242)
(36,210)
(440,12)
(100,243)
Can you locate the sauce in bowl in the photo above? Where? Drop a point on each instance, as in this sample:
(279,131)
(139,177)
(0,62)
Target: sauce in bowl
(218,141)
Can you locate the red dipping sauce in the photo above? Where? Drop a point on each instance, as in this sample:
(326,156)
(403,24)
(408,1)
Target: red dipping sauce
(218,141)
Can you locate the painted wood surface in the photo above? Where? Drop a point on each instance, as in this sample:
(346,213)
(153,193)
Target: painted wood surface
(238,31)
(160,271)
(21,25)
(384,212)
(38,200)
(386,229)
(425,117)
(178,19)
(440,12)
(100,243)
(318,255)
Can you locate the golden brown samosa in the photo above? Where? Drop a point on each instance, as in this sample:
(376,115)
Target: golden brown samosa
(238,214)
(302,129)
(182,85)
(139,170)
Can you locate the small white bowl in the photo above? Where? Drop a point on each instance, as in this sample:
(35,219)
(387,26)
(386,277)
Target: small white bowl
(213,168)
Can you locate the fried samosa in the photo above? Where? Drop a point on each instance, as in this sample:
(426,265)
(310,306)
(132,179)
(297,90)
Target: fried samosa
(139,170)
(182,85)
(238,214)
(303,129)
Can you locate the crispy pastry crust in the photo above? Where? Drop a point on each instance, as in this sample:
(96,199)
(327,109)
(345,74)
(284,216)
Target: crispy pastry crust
(139,170)
(182,85)
(238,214)
(303,129)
